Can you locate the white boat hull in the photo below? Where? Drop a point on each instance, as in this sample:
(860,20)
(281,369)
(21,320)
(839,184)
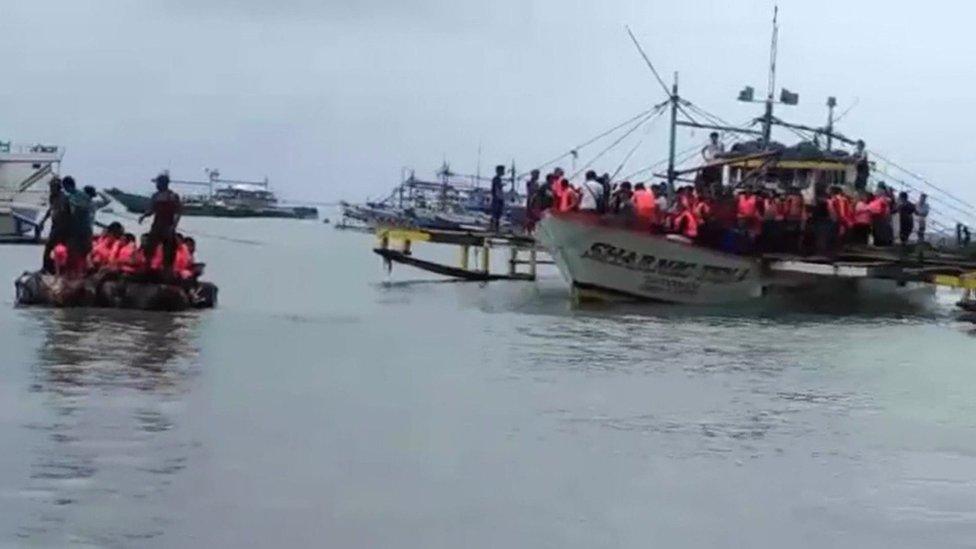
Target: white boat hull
(597,257)
(601,260)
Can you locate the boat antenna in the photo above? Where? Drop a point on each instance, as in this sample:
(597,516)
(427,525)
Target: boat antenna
(478,171)
(786,97)
(771,90)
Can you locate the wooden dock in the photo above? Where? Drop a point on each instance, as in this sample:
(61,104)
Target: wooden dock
(474,253)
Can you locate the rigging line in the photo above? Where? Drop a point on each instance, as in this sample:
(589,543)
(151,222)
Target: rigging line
(650,65)
(635,127)
(848,110)
(921,179)
(936,199)
(626,159)
(657,107)
(686,154)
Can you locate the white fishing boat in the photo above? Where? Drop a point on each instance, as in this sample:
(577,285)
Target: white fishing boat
(604,256)
(605,260)
(25,171)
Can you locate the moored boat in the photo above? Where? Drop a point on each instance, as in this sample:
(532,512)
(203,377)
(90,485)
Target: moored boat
(224,198)
(25,171)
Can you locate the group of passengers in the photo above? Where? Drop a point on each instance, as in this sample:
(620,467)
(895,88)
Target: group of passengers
(759,218)
(162,254)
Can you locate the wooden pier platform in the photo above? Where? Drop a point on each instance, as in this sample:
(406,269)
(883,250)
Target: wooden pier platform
(523,252)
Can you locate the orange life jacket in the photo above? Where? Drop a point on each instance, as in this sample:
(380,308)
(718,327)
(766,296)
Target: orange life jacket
(880,207)
(102,249)
(845,211)
(644,204)
(795,208)
(702,210)
(59,255)
(183,262)
(746,206)
(123,258)
(564,195)
(862,213)
(687,223)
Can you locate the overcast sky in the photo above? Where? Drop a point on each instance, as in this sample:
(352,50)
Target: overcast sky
(331,98)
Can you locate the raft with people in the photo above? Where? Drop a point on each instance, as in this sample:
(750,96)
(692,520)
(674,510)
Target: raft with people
(112,269)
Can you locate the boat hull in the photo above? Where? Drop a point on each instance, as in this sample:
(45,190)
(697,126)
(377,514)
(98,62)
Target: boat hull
(598,257)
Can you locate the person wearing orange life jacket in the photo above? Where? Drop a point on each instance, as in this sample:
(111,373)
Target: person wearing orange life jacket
(771,236)
(183,264)
(795,217)
(59,258)
(747,212)
(861,228)
(645,206)
(881,229)
(702,210)
(686,223)
(122,258)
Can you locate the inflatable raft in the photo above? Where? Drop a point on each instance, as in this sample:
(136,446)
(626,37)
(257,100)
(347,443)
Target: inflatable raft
(114,292)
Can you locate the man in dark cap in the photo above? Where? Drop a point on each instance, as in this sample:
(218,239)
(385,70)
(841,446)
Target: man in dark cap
(165,208)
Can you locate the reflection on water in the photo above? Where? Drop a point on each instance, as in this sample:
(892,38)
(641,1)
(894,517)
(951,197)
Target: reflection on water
(111,383)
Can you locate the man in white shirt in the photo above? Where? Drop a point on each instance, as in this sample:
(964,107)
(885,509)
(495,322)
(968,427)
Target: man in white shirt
(714,148)
(591,193)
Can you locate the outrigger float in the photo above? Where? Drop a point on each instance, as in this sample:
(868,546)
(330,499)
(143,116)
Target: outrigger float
(396,246)
(42,289)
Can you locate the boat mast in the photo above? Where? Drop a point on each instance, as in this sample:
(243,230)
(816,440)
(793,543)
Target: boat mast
(671,145)
(831,103)
(768,117)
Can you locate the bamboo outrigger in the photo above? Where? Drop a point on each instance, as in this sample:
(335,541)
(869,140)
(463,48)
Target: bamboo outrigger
(478,242)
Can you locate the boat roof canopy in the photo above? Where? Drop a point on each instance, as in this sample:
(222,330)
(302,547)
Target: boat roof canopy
(802,156)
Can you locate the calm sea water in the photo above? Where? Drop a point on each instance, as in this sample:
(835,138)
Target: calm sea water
(325,404)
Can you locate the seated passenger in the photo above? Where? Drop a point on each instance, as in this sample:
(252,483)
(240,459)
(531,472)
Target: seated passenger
(122,259)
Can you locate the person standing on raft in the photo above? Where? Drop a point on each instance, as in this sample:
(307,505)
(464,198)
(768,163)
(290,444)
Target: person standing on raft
(165,208)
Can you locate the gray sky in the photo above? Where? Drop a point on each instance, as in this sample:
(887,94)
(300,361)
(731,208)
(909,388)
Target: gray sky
(331,99)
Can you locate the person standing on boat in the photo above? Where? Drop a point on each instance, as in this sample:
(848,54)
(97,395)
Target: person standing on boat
(922,215)
(861,165)
(497,198)
(80,242)
(531,187)
(532,212)
(165,208)
(906,217)
(59,212)
(710,153)
(591,193)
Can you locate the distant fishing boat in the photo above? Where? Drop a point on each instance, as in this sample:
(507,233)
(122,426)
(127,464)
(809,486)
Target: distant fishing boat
(25,171)
(224,198)
(452,202)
